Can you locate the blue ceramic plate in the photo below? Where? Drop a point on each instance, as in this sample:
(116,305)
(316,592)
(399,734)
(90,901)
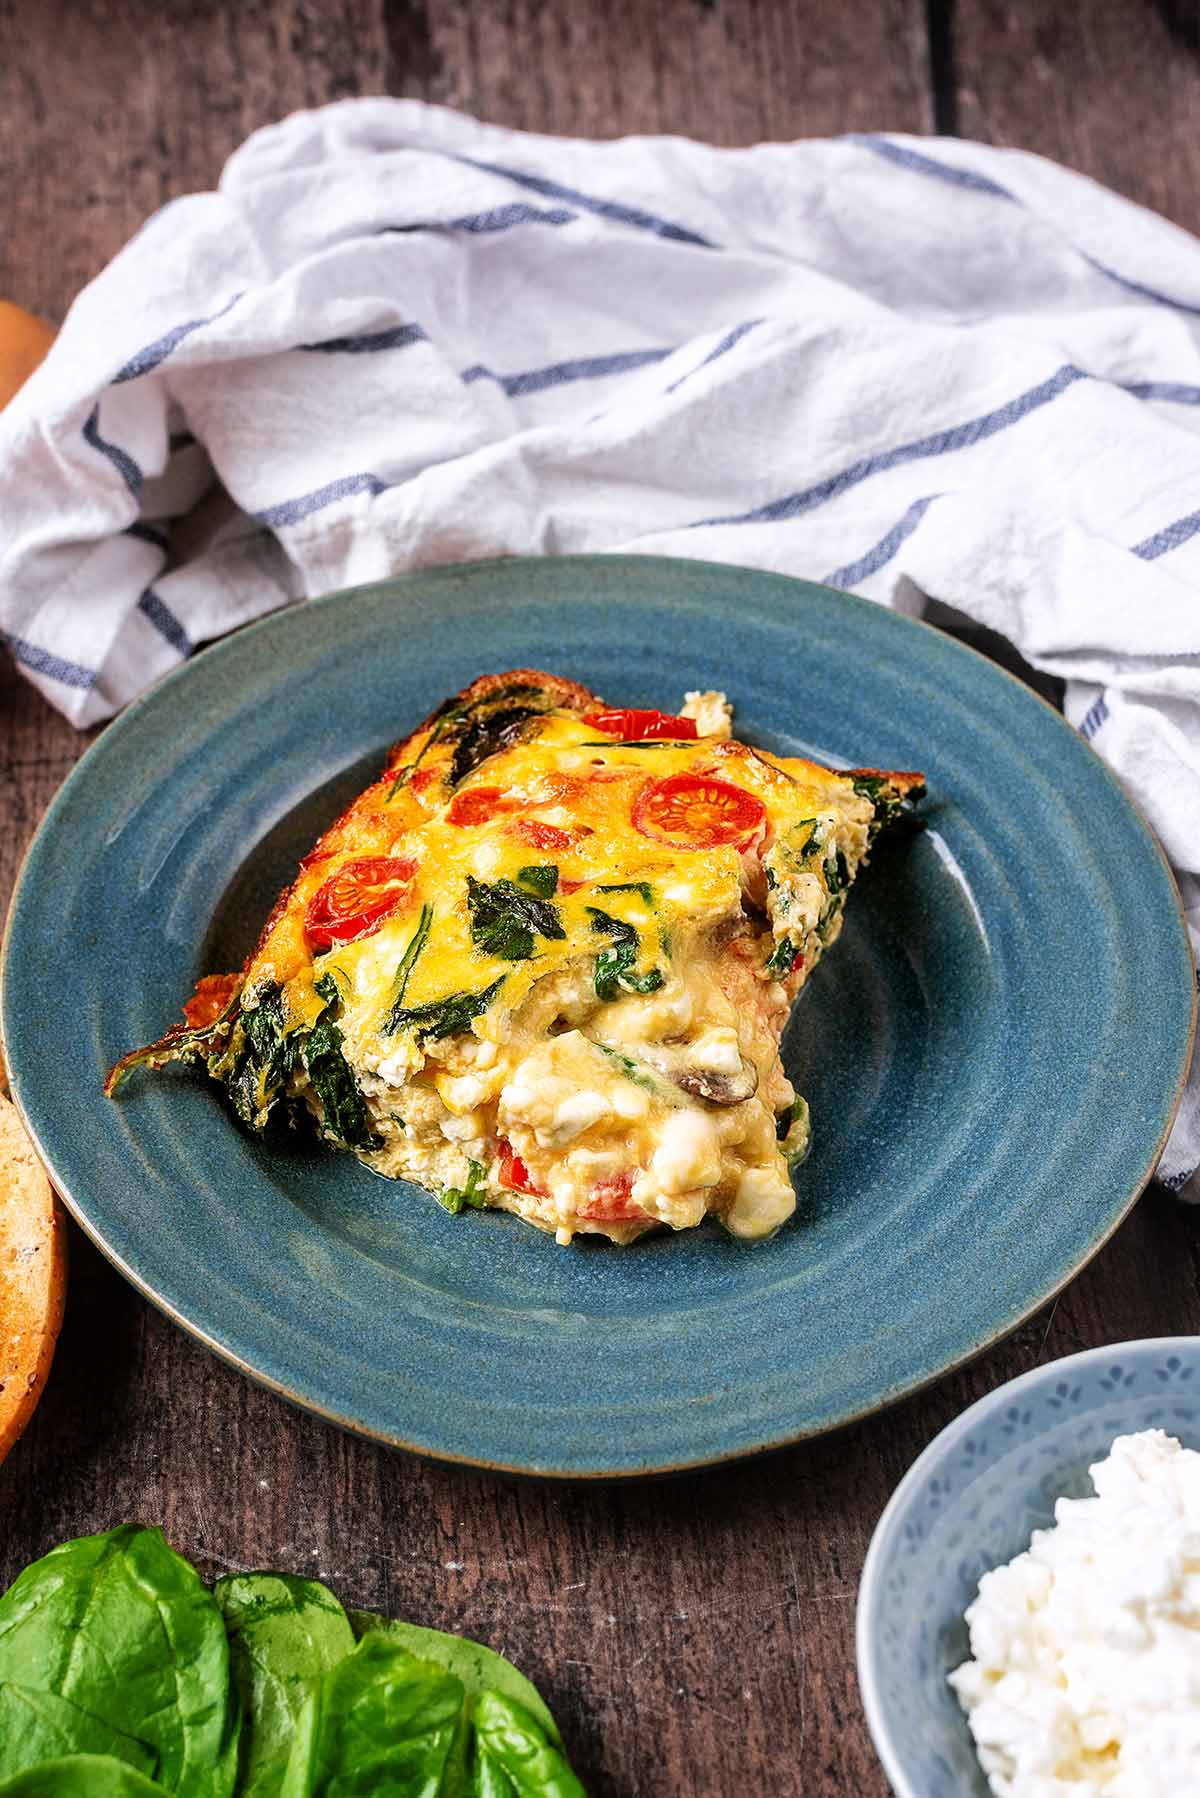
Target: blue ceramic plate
(970,1503)
(993,1054)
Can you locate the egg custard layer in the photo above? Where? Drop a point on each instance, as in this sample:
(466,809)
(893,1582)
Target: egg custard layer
(545,963)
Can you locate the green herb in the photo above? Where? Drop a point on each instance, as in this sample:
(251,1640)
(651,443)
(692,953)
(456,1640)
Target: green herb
(826,921)
(793,1130)
(837,873)
(631,1069)
(81,1776)
(182,1042)
(480,737)
(631,886)
(408,962)
(91,1623)
(450,1016)
(504,920)
(781,960)
(397,1119)
(405,774)
(346,1118)
(614,966)
(543,879)
(283,1633)
(889,803)
(455,1197)
(264,1059)
(633,743)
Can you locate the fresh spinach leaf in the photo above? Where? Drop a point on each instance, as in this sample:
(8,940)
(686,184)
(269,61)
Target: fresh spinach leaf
(450,1016)
(542,878)
(40,1726)
(380,1721)
(408,962)
(262,1056)
(512,1755)
(455,1197)
(81,1776)
(346,1117)
(121,1626)
(614,965)
(284,1633)
(504,920)
(480,1669)
(837,873)
(631,886)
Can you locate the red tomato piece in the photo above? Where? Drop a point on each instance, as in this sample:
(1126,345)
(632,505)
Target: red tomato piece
(477,805)
(513,1172)
(423,778)
(697,811)
(632,726)
(354,902)
(609,1201)
(542,836)
(213,993)
(797,962)
(571,886)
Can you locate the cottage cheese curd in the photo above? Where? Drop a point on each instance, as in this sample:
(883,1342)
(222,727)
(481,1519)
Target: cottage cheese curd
(1085,1681)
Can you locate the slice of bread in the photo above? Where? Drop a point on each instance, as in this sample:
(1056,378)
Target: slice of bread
(33,1276)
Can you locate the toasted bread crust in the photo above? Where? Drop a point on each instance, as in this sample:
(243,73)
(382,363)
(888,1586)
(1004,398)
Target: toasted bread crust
(33,1270)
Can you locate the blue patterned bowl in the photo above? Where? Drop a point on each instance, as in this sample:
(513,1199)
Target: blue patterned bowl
(970,1503)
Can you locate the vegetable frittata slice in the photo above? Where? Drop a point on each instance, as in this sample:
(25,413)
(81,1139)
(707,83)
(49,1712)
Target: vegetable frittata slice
(546,960)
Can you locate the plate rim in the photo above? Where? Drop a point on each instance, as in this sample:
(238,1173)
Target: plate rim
(632,563)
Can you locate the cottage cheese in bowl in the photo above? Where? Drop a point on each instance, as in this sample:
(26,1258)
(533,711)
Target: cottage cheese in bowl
(1084,1680)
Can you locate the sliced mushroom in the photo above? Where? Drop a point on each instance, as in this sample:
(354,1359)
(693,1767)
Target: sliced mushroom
(717,1087)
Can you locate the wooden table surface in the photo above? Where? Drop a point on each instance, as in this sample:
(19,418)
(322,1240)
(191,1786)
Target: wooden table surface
(694,1637)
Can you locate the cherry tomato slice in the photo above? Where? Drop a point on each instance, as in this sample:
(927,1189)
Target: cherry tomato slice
(609,1201)
(213,993)
(544,836)
(355,901)
(513,1172)
(631,726)
(477,805)
(697,811)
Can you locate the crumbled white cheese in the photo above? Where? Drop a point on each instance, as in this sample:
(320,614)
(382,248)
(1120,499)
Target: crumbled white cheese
(1085,1681)
(764,1199)
(688,1154)
(712,712)
(717,1050)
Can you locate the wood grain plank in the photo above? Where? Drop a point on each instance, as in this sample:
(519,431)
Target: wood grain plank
(733,73)
(1110,88)
(695,1636)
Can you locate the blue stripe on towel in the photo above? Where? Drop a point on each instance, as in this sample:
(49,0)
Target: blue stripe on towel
(497,218)
(153,353)
(1169,538)
(365,343)
(121,460)
(1179,391)
(583,368)
(146,533)
(920,164)
(1096,715)
(883,551)
(941,443)
(291,511)
(165,622)
(730,339)
(609,209)
(40,661)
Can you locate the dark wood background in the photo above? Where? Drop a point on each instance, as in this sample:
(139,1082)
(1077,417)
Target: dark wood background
(694,1637)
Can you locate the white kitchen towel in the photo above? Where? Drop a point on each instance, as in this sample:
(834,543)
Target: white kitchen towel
(912,367)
